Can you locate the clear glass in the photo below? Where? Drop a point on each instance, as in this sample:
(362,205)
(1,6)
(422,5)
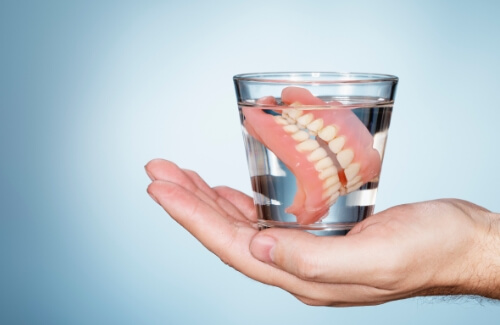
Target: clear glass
(315,143)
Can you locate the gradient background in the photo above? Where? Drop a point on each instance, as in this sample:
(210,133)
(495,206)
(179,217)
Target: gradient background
(92,90)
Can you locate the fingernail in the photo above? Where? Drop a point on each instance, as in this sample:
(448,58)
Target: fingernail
(262,248)
(149,175)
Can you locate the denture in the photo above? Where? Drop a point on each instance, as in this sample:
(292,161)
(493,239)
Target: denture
(330,151)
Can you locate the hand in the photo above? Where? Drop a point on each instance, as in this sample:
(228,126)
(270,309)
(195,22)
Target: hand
(430,248)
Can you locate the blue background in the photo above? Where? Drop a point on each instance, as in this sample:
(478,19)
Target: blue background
(90,91)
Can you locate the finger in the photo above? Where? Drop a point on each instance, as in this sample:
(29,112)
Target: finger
(201,184)
(163,169)
(340,298)
(167,170)
(244,202)
(355,259)
(345,295)
(311,301)
(159,169)
(222,202)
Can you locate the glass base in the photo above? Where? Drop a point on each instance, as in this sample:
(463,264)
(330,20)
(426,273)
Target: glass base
(318,229)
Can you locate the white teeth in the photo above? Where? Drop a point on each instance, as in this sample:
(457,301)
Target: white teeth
(280,120)
(315,126)
(354,187)
(293,120)
(335,187)
(307,145)
(323,164)
(354,181)
(327,133)
(329,192)
(331,181)
(334,198)
(336,144)
(317,154)
(352,170)
(345,157)
(300,136)
(328,172)
(294,113)
(305,119)
(291,128)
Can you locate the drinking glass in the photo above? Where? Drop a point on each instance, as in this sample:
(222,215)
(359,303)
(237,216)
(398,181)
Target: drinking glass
(315,143)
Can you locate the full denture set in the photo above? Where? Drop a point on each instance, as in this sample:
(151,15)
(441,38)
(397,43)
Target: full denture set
(330,151)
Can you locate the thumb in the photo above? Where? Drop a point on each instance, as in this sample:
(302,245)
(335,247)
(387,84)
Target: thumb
(294,251)
(333,259)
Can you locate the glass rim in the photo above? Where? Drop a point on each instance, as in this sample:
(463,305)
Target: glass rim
(320,77)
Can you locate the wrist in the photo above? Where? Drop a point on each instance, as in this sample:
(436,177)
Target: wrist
(472,267)
(488,270)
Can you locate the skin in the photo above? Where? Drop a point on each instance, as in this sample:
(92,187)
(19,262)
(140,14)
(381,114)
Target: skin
(441,247)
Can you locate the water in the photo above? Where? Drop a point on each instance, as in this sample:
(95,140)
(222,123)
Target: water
(275,185)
